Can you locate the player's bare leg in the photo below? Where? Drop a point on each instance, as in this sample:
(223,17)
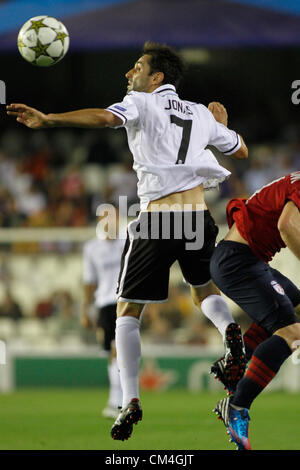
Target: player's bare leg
(230,368)
(290,333)
(128,356)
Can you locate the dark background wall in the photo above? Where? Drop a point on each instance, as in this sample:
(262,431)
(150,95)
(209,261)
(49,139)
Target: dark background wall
(253,83)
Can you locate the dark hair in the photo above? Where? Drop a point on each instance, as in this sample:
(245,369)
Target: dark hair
(165,59)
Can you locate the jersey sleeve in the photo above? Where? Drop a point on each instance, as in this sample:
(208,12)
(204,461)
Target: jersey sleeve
(129,110)
(89,272)
(225,140)
(234,205)
(294,194)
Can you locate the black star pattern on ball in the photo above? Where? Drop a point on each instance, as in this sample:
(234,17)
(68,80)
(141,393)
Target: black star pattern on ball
(40,49)
(36,25)
(61,37)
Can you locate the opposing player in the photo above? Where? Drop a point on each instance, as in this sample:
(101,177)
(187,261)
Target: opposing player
(168,137)
(259,227)
(101,266)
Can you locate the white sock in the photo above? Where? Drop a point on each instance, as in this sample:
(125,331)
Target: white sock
(115,390)
(216,309)
(128,346)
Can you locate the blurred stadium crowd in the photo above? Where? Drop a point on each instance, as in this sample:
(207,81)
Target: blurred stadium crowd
(58,178)
(55,321)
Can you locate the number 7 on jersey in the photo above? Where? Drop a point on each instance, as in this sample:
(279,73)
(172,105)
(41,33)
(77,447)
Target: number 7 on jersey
(186,125)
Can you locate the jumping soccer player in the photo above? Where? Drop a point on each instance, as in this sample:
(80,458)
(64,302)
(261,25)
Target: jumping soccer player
(168,137)
(101,266)
(259,227)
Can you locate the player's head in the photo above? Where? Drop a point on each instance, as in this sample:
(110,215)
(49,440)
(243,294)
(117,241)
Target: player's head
(158,65)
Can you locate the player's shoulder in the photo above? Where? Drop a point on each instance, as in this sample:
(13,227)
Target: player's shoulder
(202,108)
(293,187)
(191,103)
(136,96)
(294,178)
(287,182)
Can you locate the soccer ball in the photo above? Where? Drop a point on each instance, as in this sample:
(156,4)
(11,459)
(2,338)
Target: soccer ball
(43,41)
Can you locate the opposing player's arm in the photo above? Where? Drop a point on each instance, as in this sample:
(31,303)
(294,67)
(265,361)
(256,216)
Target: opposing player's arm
(289,227)
(86,118)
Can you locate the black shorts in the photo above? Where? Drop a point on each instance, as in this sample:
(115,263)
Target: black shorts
(154,242)
(107,320)
(266,295)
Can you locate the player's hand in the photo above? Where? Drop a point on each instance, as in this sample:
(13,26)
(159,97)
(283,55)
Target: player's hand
(219,112)
(30,117)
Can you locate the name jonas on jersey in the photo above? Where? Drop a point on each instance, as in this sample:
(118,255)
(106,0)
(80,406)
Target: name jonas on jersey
(178,106)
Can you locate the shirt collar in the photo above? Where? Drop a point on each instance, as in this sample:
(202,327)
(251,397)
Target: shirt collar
(167,87)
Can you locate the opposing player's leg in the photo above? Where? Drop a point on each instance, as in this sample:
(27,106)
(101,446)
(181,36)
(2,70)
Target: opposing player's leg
(236,422)
(251,284)
(255,333)
(264,365)
(290,289)
(194,264)
(253,337)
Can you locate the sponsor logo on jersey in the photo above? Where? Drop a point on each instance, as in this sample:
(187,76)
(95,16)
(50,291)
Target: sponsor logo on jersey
(277,287)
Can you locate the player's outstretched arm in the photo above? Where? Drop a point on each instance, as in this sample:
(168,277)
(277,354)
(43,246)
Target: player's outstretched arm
(30,117)
(289,227)
(87,118)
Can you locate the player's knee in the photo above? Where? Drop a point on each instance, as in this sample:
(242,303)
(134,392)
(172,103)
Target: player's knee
(129,309)
(198,298)
(290,333)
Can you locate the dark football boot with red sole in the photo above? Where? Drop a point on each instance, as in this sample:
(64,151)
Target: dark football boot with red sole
(229,369)
(130,415)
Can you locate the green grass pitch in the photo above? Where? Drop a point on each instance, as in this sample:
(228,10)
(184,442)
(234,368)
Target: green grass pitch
(70,419)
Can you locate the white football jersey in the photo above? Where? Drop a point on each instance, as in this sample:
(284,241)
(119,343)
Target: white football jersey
(101,266)
(168,138)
